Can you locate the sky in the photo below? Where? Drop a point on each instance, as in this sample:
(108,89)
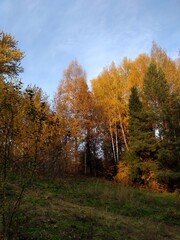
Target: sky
(52,33)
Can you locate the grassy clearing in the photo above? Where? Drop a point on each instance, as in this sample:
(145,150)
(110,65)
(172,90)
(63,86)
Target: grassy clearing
(96,209)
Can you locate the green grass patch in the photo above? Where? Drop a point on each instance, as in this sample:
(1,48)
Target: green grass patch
(85,208)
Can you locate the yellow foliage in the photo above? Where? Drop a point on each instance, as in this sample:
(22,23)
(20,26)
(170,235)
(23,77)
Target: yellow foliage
(123,173)
(10,56)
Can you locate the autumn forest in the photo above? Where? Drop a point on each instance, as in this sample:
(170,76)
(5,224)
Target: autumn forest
(125,128)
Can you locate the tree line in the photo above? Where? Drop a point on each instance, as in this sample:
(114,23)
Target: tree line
(126,128)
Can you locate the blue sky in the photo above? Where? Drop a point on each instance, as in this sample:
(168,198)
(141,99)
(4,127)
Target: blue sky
(96,32)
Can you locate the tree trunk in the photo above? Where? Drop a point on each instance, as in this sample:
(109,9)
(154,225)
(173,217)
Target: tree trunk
(112,141)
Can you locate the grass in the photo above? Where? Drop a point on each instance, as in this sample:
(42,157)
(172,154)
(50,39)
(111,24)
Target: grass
(95,209)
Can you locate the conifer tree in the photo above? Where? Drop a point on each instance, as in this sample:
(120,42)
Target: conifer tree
(141,137)
(169,147)
(155,94)
(163,109)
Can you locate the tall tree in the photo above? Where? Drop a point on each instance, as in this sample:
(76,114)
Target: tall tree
(141,137)
(109,90)
(74,106)
(10,60)
(163,110)
(169,146)
(155,93)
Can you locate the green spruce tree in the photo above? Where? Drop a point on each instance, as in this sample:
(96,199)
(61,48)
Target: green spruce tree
(141,138)
(162,109)
(155,94)
(169,149)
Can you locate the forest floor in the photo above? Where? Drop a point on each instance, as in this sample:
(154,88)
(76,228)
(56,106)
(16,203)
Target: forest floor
(85,208)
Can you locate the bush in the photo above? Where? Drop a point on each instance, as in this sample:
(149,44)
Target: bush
(170,179)
(136,174)
(123,175)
